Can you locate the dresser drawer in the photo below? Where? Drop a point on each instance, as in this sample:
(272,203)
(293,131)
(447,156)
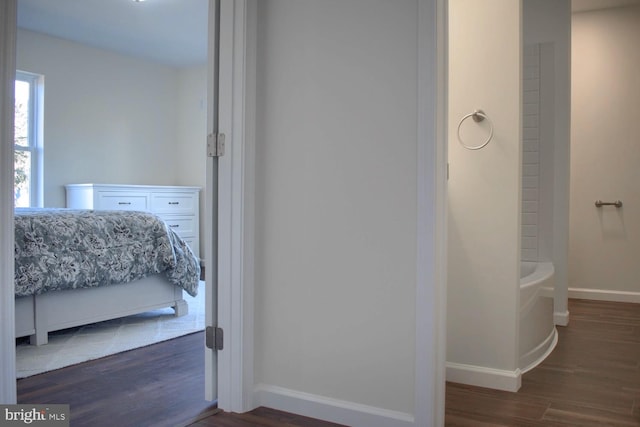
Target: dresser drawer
(178,206)
(121,201)
(193,243)
(182,226)
(173,203)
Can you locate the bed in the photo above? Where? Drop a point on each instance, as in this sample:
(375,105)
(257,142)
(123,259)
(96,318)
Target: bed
(75,267)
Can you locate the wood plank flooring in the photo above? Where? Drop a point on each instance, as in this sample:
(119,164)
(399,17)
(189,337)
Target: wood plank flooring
(159,385)
(261,417)
(591,379)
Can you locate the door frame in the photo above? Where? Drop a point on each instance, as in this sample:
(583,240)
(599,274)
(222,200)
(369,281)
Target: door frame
(236,286)
(211,201)
(8,34)
(235,212)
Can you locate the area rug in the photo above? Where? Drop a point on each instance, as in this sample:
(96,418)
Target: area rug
(77,345)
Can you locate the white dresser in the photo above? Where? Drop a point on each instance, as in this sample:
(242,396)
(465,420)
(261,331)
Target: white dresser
(178,206)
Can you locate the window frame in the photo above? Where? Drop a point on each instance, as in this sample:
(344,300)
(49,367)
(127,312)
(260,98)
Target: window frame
(34,138)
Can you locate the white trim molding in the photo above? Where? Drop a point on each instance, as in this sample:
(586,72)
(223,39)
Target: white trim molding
(248,88)
(431,275)
(481,376)
(8,19)
(561,318)
(604,295)
(329,409)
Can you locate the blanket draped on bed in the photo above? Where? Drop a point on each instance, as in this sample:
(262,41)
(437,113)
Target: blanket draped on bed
(59,249)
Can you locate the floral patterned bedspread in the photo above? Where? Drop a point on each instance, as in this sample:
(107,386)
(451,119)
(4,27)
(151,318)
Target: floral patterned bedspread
(59,249)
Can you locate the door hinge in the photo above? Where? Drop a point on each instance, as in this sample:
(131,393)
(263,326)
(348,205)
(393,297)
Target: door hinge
(215,145)
(214,338)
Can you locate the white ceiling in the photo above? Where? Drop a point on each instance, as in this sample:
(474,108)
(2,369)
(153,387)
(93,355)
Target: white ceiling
(586,5)
(172,32)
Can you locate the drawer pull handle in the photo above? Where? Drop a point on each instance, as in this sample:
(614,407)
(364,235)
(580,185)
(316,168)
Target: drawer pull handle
(174,203)
(124,203)
(174,225)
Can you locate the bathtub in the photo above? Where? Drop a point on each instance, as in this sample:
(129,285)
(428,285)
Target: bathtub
(538,335)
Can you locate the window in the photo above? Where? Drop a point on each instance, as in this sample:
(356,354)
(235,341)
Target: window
(28,140)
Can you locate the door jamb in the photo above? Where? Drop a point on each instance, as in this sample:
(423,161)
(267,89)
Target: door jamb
(236,205)
(8,30)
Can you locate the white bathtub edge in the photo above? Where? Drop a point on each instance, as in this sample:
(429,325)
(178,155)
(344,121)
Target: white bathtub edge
(541,273)
(531,285)
(534,357)
(547,291)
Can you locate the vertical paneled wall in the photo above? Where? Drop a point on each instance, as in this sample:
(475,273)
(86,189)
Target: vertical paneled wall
(531,152)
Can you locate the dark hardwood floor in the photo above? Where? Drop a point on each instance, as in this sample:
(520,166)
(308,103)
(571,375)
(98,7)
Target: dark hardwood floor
(159,385)
(260,417)
(591,379)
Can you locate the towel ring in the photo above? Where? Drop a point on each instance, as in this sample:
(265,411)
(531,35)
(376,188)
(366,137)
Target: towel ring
(477,116)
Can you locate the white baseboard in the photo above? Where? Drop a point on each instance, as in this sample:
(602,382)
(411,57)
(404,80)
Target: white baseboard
(329,409)
(561,319)
(604,295)
(484,377)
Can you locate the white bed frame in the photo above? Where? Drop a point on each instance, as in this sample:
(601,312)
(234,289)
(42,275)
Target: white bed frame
(38,315)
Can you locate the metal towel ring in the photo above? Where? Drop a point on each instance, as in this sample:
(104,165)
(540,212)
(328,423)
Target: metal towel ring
(478,116)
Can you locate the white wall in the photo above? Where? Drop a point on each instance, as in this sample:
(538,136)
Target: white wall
(190,161)
(335,258)
(129,120)
(110,118)
(605,154)
(191,109)
(484,194)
